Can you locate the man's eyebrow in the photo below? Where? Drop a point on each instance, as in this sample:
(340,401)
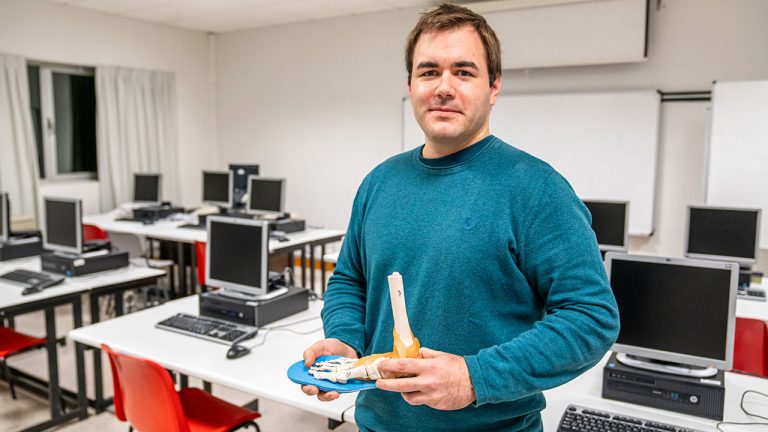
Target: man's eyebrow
(426,65)
(465,64)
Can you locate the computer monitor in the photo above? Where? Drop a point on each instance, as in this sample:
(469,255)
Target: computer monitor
(675,310)
(610,221)
(147,188)
(240,174)
(719,233)
(63,225)
(266,196)
(5,217)
(237,252)
(217,188)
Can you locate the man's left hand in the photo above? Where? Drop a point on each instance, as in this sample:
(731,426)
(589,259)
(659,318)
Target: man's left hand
(440,380)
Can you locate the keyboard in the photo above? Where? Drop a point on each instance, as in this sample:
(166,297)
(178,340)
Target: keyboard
(32,279)
(580,419)
(211,329)
(193,226)
(752,294)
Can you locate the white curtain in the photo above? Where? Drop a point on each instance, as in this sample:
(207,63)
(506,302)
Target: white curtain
(18,153)
(136,131)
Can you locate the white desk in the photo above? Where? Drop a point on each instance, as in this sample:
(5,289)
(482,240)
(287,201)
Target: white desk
(13,303)
(261,373)
(170,231)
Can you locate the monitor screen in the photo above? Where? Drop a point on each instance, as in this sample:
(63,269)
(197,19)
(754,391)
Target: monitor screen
(146,187)
(673,309)
(217,187)
(236,254)
(63,225)
(609,221)
(266,195)
(723,233)
(5,217)
(240,174)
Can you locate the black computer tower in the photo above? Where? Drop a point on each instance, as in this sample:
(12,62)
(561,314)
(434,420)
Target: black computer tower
(79,265)
(20,249)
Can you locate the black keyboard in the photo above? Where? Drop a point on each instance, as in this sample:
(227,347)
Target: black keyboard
(32,278)
(752,294)
(207,328)
(580,419)
(193,226)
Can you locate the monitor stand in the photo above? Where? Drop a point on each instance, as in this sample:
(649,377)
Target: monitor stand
(666,367)
(277,291)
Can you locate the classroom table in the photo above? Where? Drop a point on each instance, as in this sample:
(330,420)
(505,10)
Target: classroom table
(13,303)
(262,373)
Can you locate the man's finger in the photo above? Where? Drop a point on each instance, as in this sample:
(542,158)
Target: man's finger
(328,396)
(310,390)
(415,398)
(400,385)
(402,366)
(430,353)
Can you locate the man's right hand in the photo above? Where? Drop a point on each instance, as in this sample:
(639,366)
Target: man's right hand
(321,348)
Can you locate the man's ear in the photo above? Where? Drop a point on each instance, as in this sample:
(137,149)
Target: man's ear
(495,89)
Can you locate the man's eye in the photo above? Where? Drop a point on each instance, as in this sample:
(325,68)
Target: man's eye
(464,73)
(430,73)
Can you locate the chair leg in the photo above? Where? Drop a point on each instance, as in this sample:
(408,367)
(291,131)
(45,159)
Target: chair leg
(8,378)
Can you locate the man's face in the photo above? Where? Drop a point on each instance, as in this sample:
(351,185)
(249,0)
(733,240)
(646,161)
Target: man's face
(449,87)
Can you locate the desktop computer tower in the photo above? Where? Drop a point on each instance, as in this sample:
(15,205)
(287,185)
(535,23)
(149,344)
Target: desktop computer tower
(153,213)
(253,313)
(79,265)
(287,225)
(701,397)
(23,248)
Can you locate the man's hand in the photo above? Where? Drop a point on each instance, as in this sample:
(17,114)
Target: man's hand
(440,380)
(321,348)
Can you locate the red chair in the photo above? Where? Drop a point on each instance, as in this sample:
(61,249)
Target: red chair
(92,232)
(750,350)
(200,259)
(145,396)
(13,342)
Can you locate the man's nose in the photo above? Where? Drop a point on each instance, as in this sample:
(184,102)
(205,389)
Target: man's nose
(445,88)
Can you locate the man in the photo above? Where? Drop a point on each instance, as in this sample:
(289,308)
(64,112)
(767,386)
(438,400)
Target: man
(502,275)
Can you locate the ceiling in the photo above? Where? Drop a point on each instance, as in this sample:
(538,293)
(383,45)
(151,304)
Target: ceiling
(228,15)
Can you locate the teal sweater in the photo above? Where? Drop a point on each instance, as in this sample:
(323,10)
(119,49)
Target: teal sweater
(499,265)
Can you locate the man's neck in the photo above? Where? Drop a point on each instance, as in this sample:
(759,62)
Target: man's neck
(437,149)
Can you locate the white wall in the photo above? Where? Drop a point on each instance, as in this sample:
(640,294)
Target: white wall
(62,34)
(319,102)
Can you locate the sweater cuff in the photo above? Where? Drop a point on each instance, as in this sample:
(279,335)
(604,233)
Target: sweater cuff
(478,380)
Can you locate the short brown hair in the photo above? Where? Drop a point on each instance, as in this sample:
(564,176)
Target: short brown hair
(449,16)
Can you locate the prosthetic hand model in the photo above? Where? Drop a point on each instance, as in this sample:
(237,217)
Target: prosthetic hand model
(366,368)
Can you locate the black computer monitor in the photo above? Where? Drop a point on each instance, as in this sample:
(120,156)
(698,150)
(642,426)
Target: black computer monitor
(675,309)
(63,225)
(217,187)
(240,174)
(719,233)
(266,196)
(5,217)
(237,252)
(147,188)
(610,220)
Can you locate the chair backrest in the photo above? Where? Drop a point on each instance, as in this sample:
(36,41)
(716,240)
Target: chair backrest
(146,394)
(200,259)
(92,232)
(750,351)
(131,243)
(117,391)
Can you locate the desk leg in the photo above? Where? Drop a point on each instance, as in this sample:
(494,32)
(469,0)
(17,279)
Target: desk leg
(97,372)
(333,424)
(119,305)
(182,269)
(54,390)
(82,400)
(193,269)
(322,269)
(304,267)
(312,267)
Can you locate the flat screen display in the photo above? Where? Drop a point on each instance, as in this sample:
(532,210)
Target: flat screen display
(62,224)
(146,187)
(236,254)
(216,187)
(609,221)
(721,232)
(265,195)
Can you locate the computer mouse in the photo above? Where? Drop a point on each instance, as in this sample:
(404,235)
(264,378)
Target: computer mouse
(237,351)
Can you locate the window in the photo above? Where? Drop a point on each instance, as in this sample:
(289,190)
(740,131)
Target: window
(63,101)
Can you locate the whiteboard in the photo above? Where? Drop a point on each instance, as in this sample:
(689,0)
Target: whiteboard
(605,144)
(737,166)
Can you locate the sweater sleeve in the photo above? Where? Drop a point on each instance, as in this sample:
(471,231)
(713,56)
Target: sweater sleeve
(343,311)
(559,257)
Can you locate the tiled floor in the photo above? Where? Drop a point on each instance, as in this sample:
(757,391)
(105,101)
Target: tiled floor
(30,409)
